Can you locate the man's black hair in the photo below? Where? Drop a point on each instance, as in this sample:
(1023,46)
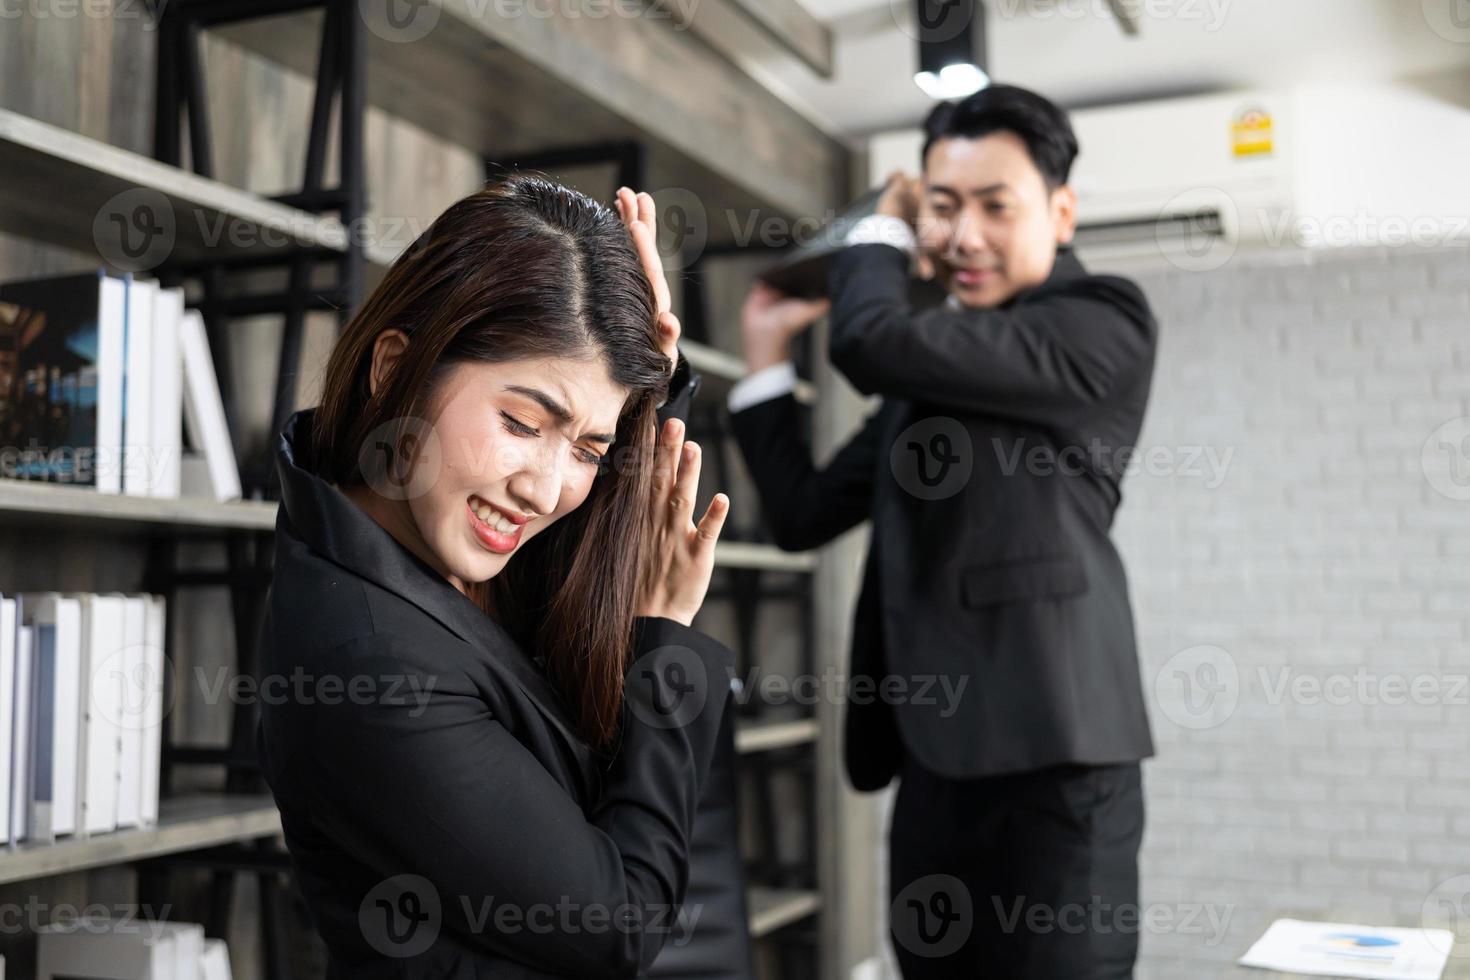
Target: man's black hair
(1037,120)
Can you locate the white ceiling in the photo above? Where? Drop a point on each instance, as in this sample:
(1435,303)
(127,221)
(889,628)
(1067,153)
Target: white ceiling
(1075,52)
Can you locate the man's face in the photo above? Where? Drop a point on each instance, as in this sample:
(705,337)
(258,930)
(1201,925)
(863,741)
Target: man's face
(987,220)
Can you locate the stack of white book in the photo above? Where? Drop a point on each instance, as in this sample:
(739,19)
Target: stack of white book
(128,949)
(81,713)
(99,380)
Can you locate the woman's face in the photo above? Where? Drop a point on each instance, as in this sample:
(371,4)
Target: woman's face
(516,445)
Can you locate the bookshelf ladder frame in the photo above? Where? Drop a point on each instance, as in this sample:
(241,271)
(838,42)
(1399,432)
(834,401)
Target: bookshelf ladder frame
(182,106)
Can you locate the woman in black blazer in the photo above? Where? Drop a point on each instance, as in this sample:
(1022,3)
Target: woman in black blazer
(495,722)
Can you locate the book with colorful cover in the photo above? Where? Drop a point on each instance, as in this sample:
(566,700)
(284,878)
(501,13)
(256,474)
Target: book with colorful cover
(61,380)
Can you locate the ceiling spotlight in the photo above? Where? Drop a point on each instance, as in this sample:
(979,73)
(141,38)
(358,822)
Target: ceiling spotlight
(952,82)
(951,48)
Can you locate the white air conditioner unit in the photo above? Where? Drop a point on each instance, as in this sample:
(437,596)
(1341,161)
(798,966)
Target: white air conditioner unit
(1193,178)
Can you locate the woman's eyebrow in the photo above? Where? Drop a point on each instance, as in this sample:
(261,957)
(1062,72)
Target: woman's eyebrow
(559,411)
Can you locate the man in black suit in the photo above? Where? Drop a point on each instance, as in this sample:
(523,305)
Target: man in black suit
(994,669)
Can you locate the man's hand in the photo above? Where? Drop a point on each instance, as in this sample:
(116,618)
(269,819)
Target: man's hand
(901,198)
(641,218)
(770,319)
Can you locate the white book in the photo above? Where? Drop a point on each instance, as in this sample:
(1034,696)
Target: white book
(204,410)
(7,709)
(111,346)
(138,368)
(167,408)
(103,679)
(187,939)
(105,949)
(148,712)
(134,640)
(196,480)
(56,724)
(20,748)
(216,962)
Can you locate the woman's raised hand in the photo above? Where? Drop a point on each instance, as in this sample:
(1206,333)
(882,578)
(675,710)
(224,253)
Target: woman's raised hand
(682,556)
(641,217)
(683,553)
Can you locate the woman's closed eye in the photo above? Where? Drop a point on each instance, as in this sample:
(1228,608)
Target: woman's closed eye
(517,427)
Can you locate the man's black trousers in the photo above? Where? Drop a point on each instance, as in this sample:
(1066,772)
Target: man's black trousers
(1028,876)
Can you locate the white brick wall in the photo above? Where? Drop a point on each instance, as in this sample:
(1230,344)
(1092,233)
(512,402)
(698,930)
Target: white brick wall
(1332,577)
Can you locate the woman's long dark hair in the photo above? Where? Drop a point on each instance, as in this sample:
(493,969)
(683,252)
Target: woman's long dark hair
(522,269)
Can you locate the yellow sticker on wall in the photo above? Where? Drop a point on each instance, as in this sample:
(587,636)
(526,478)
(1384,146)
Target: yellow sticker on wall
(1250,133)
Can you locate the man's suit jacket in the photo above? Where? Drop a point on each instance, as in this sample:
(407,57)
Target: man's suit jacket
(447,820)
(992,598)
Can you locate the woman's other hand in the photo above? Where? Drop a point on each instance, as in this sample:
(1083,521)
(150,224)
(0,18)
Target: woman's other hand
(682,554)
(641,217)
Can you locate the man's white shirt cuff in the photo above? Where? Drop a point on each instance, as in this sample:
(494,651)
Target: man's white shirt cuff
(763,385)
(883,229)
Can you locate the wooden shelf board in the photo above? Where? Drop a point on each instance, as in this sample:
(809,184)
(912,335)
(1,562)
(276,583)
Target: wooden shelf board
(765,557)
(763,736)
(184,824)
(61,187)
(720,369)
(776,908)
(25,499)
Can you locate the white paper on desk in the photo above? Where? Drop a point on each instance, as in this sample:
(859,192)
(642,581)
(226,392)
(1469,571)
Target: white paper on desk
(1336,949)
